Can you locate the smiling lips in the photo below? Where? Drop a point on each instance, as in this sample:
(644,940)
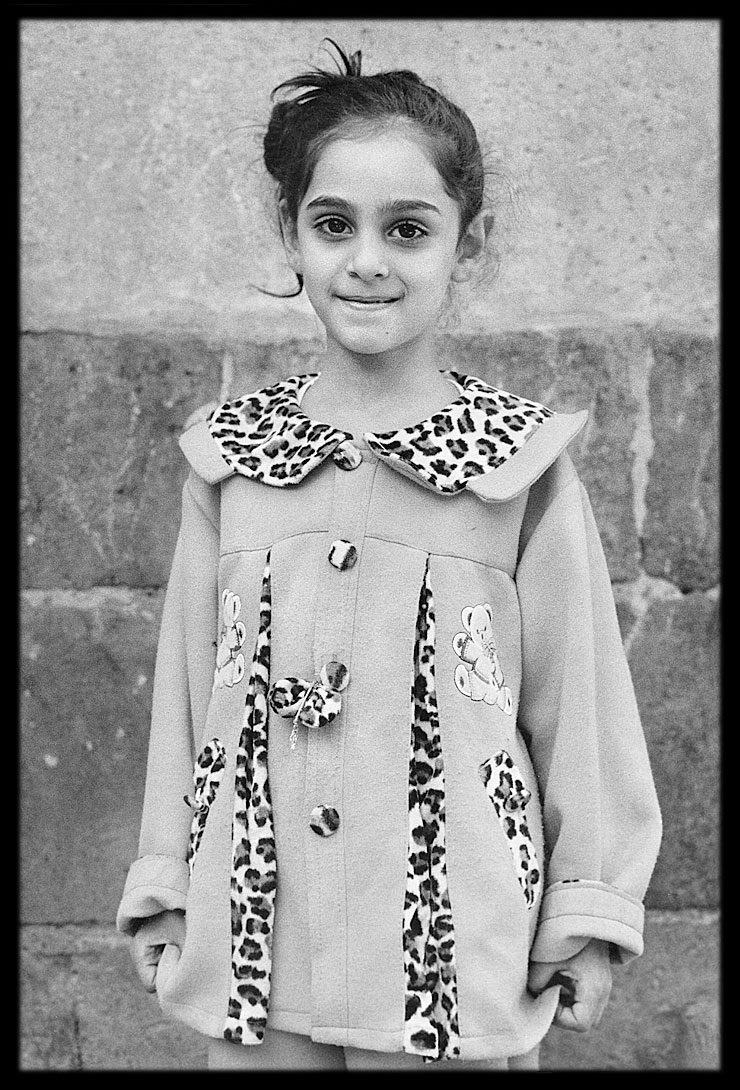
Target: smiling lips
(375,300)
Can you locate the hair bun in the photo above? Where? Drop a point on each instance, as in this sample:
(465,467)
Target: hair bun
(273,140)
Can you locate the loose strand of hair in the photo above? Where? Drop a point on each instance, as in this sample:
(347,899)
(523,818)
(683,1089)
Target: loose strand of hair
(281,294)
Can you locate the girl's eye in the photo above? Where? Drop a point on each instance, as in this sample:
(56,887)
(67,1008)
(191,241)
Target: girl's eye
(332,225)
(336,227)
(409,231)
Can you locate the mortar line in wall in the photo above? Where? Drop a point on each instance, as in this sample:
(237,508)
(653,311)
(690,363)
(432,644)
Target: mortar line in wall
(641,593)
(69,593)
(642,445)
(76,1027)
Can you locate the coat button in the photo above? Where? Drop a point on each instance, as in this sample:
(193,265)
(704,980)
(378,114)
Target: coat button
(342,555)
(347,455)
(324,820)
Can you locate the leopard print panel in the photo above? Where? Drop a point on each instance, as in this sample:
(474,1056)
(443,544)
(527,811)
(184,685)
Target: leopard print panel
(209,767)
(474,435)
(506,789)
(253,869)
(267,436)
(431,1020)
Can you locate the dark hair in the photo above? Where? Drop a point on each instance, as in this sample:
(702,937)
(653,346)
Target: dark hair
(301,126)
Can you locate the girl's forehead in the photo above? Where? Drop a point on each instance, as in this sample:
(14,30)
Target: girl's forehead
(376,167)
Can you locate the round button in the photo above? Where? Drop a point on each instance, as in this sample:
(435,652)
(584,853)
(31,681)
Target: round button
(324,820)
(342,554)
(347,455)
(335,676)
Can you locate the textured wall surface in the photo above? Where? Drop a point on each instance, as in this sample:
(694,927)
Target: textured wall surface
(144,206)
(144,224)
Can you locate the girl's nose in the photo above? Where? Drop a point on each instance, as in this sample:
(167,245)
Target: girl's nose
(367,261)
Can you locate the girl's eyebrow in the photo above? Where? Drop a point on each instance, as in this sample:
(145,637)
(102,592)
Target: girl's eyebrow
(395,207)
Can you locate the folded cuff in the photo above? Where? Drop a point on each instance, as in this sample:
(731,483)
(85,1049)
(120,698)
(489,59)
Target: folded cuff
(155,883)
(575,911)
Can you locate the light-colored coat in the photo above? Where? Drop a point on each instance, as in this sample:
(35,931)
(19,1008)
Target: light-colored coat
(478,791)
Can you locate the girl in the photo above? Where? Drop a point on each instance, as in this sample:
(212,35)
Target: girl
(398,803)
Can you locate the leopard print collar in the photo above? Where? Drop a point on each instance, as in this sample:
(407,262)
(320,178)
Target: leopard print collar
(267,436)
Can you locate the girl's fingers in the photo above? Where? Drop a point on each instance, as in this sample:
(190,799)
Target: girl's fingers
(146,966)
(587,1010)
(148,977)
(578,1017)
(146,957)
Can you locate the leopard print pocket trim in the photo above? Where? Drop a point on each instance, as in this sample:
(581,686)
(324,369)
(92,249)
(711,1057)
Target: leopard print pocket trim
(253,866)
(431,1018)
(209,767)
(507,791)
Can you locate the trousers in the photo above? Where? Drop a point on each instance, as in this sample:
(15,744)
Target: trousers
(282,1051)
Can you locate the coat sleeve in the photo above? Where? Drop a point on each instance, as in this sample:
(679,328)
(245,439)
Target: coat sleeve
(183,677)
(579,715)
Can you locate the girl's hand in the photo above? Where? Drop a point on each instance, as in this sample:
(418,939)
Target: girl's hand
(585,980)
(150,940)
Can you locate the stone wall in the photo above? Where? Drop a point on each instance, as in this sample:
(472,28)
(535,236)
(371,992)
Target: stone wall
(143,223)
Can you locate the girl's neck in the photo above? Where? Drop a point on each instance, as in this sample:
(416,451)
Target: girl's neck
(379,392)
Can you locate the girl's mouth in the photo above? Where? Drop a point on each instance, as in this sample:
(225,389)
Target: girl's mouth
(370,302)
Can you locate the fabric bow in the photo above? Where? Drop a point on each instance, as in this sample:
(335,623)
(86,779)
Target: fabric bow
(310,704)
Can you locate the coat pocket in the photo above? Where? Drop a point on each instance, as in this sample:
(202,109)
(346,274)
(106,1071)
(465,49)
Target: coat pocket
(209,767)
(507,791)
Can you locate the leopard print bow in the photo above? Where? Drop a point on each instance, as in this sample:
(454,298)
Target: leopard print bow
(311,704)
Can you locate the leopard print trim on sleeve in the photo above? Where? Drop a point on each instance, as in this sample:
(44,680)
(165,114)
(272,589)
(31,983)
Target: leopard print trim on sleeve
(431,1019)
(253,869)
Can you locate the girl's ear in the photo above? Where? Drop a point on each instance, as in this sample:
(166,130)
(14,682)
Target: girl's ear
(289,236)
(472,245)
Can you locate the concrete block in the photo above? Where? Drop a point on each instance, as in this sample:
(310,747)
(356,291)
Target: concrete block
(663,1014)
(252,365)
(674,658)
(602,371)
(86,675)
(48,1038)
(109,997)
(681,531)
(520,361)
(97,1016)
(101,472)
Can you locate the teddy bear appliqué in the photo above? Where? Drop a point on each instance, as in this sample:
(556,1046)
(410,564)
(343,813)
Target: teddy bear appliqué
(479,676)
(229,659)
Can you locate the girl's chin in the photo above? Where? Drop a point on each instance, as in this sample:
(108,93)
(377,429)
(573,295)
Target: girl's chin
(373,341)
(369,346)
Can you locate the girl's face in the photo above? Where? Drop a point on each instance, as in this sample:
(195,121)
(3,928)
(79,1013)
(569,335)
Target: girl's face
(377,242)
